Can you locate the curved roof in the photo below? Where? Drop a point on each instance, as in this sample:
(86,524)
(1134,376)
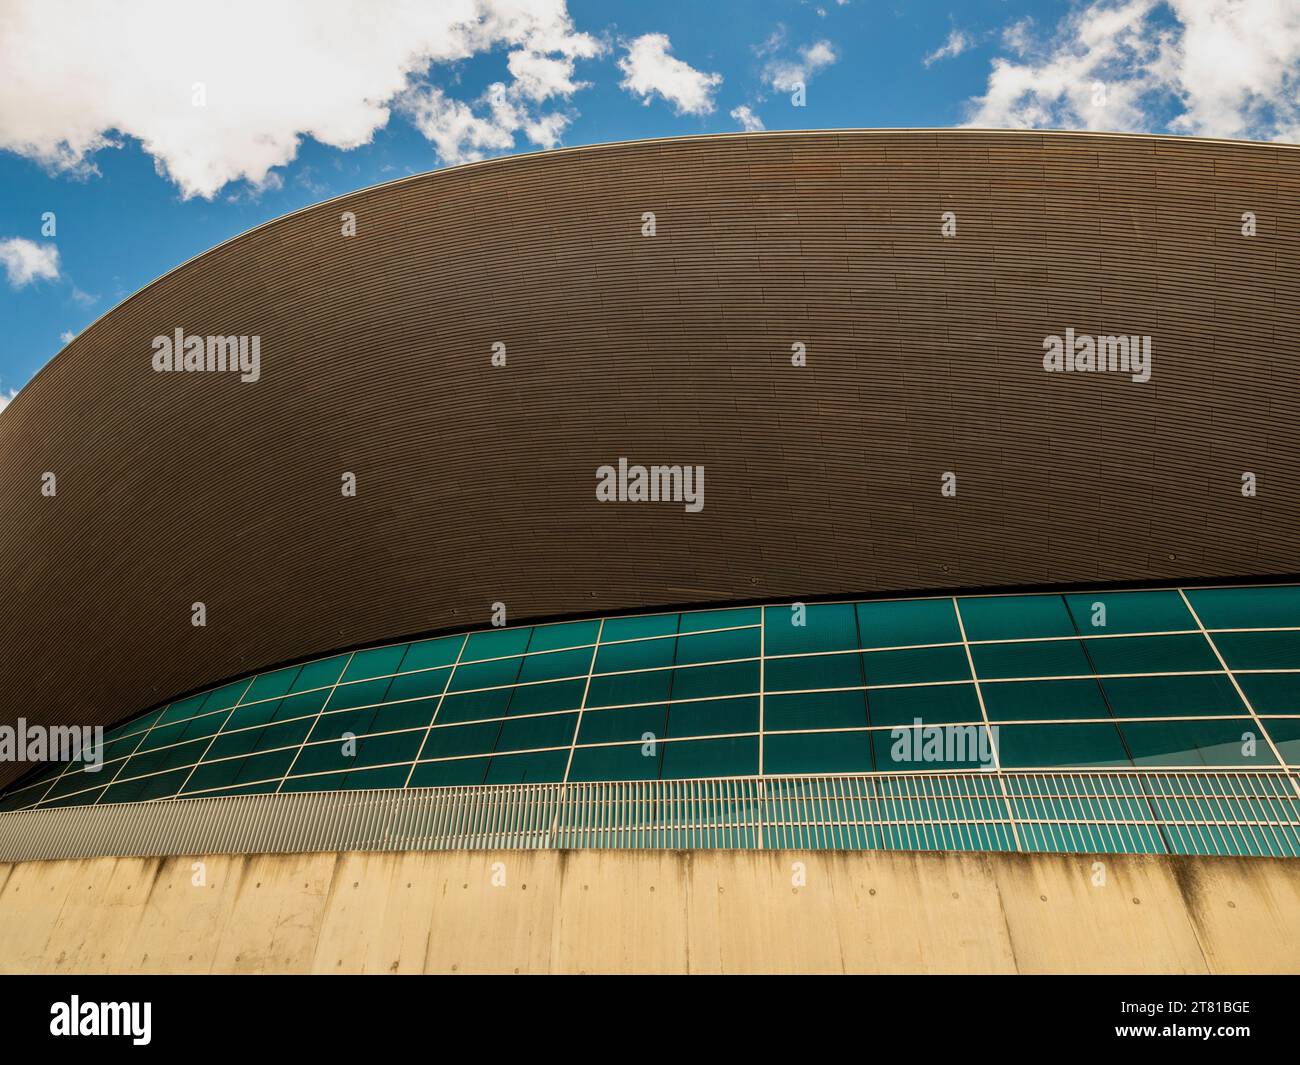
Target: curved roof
(476,483)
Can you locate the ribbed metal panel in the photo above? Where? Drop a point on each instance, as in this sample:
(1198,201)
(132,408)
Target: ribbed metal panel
(476,484)
(1247,813)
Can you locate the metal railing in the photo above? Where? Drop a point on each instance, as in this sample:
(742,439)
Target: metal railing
(1221,813)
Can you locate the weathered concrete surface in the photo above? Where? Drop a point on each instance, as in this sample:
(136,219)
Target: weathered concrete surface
(651,911)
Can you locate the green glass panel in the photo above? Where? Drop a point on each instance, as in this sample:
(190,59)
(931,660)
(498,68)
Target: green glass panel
(264,787)
(622,762)
(934,705)
(1151,654)
(813,672)
(1206,693)
(1196,743)
(363,693)
(826,710)
(539,767)
(817,752)
(734,756)
(143,789)
(712,717)
(718,646)
(1032,700)
(136,726)
(700,682)
(322,757)
(120,748)
(393,747)
(271,685)
(387,777)
(1095,746)
(496,643)
(926,664)
(639,627)
(1015,617)
(393,717)
(826,627)
(700,620)
(1272,693)
(335,726)
(624,723)
(183,709)
(553,665)
(474,706)
(494,674)
(84,799)
(1286,734)
(226,696)
(262,767)
(638,654)
(304,705)
(319,674)
(457,772)
(1247,608)
(417,685)
(618,689)
(565,634)
(461,740)
(246,741)
(526,733)
(375,662)
(73,782)
(931,748)
(1259,650)
(908,621)
(1057,658)
(544,698)
(429,654)
(1107,613)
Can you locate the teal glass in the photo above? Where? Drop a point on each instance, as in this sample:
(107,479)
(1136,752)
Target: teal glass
(1088,680)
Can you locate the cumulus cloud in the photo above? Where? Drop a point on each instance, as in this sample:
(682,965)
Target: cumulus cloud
(649,70)
(957,42)
(5,397)
(1217,68)
(749,122)
(786,74)
(26,261)
(79,78)
(67,336)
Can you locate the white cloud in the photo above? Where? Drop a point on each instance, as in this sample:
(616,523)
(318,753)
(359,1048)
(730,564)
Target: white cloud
(78,78)
(1016,35)
(1218,68)
(26,261)
(648,70)
(957,42)
(749,122)
(5,397)
(785,75)
(67,336)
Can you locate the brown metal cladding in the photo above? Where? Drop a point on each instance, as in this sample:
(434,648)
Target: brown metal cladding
(477,484)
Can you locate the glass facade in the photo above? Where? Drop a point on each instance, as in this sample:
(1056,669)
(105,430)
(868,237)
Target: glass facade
(1164,679)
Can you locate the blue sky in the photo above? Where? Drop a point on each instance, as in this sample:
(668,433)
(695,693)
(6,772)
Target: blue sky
(140,175)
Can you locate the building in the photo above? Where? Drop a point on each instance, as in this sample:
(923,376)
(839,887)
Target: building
(973,529)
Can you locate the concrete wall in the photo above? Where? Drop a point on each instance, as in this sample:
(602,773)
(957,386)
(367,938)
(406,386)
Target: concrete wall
(648,911)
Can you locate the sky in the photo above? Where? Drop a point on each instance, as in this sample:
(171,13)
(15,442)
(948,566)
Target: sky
(136,134)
